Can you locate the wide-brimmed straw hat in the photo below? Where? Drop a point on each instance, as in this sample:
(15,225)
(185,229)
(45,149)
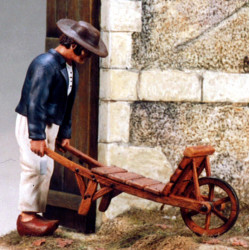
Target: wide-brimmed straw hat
(84,34)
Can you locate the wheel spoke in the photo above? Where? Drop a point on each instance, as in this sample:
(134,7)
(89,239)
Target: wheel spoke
(211,192)
(208,220)
(219,214)
(221,201)
(204,198)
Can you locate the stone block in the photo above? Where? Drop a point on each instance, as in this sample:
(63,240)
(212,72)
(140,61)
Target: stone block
(118,85)
(103,124)
(156,85)
(102,153)
(121,15)
(223,87)
(150,162)
(114,121)
(119,46)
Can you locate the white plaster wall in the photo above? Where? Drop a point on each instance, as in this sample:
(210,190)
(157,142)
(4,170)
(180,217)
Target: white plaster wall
(22,37)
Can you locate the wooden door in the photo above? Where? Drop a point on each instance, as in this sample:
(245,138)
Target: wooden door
(64,196)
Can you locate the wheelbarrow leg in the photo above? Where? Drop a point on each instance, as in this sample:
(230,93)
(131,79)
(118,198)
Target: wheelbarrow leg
(81,184)
(87,198)
(106,199)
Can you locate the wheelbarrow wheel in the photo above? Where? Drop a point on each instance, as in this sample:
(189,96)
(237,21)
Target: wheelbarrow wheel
(224,212)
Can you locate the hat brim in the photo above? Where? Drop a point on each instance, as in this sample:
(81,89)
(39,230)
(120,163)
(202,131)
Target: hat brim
(65,27)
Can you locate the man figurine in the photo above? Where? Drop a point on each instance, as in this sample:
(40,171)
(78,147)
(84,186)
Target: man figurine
(44,117)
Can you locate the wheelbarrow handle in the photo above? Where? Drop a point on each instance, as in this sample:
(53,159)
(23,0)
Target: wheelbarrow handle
(89,160)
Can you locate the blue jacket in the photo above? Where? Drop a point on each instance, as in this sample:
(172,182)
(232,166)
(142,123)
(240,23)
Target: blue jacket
(44,97)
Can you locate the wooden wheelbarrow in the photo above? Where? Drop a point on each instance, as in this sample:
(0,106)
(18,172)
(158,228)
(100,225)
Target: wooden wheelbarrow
(209,206)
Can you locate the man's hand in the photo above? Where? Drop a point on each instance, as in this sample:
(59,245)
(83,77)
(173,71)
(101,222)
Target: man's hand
(38,147)
(62,143)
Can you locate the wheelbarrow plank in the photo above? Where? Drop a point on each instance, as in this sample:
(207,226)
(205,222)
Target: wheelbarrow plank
(166,190)
(184,162)
(142,182)
(156,188)
(123,177)
(186,176)
(108,170)
(176,175)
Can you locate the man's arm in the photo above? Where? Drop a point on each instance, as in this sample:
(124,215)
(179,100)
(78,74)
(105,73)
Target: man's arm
(40,78)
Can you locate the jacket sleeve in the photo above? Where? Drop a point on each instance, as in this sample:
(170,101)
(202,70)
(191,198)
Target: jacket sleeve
(65,129)
(40,78)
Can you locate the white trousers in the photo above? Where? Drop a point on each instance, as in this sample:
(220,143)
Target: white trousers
(36,171)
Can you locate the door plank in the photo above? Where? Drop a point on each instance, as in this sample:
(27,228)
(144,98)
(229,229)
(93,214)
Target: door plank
(51,18)
(73,12)
(61,9)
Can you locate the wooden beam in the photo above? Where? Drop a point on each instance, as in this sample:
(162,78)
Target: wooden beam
(51,18)
(64,200)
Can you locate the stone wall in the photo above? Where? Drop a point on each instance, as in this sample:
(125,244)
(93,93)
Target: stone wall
(210,34)
(175,77)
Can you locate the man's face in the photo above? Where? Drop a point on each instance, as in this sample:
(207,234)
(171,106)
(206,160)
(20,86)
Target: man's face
(79,54)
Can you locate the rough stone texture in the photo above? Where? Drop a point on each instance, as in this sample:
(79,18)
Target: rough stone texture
(157,85)
(114,122)
(121,15)
(118,85)
(222,87)
(174,126)
(119,45)
(210,34)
